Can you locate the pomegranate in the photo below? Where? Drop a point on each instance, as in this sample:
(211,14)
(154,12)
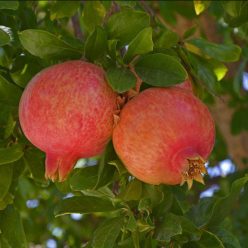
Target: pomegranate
(187,85)
(164,135)
(67,111)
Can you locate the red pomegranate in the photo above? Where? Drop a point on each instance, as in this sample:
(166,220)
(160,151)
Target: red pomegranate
(164,136)
(67,111)
(187,85)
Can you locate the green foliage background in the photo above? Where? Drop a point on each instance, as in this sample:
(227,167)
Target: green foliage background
(117,209)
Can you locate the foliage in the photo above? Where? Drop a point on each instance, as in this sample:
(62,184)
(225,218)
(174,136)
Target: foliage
(117,209)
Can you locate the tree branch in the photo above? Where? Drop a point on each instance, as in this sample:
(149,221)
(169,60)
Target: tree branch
(76,27)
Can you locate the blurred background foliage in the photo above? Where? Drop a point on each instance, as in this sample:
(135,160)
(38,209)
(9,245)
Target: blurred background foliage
(101,205)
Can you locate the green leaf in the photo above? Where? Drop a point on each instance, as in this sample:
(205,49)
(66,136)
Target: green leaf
(35,160)
(119,166)
(131,224)
(10,154)
(24,68)
(160,70)
(189,32)
(144,226)
(212,211)
(112,44)
(63,9)
(204,71)
(9,93)
(106,234)
(7,200)
(46,45)
(10,125)
(96,44)
(136,239)
(13,5)
(83,204)
(4,243)
(228,239)
(207,240)
(166,40)
(85,178)
(117,25)
(105,171)
(153,193)
(236,12)
(93,14)
(239,121)
(141,44)
(189,229)
(6,173)
(127,3)
(170,227)
(133,191)
(12,228)
(201,213)
(200,6)
(103,192)
(223,206)
(238,78)
(5,35)
(120,79)
(221,52)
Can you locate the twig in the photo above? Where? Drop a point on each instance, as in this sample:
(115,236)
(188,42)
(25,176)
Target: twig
(76,26)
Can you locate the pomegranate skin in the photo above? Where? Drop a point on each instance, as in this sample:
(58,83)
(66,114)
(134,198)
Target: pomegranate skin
(187,85)
(67,111)
(160,131)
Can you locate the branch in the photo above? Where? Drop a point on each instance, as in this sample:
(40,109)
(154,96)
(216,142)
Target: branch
(76,27)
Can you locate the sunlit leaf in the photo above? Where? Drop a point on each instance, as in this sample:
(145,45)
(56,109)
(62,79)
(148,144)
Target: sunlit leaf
(200,6)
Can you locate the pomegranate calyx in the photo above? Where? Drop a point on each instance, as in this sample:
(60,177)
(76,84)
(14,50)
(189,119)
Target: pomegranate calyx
(195,171)
(58,167)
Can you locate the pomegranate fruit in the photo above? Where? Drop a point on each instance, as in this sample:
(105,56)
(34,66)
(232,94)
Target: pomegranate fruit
(187,85)
(164,135)
(67,111)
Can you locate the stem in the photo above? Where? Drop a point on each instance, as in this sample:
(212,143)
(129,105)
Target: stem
(76,26)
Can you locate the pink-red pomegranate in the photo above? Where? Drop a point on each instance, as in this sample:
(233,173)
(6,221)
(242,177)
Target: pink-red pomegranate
(187,85)
(164,135)
(67,111)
